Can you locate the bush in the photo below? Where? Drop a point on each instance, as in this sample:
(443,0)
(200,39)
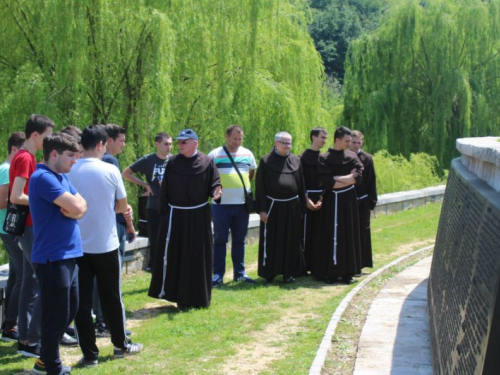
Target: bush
(396,173)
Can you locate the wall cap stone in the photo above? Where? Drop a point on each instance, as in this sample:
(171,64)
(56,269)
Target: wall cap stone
(486,149)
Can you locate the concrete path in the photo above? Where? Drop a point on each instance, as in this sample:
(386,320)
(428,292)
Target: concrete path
(395,337)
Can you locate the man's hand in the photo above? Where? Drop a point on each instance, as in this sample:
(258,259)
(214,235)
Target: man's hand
(131,234)
(312,206)
(217,193)
(129,214)
(148,189)
(263,217)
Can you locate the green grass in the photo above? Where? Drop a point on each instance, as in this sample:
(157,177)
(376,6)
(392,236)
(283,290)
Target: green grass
(269,330)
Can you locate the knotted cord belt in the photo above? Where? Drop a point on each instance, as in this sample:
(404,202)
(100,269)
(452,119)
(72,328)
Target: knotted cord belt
(337,192)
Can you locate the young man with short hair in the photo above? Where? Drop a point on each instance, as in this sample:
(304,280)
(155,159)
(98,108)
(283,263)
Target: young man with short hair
(309,161)
(9,328)
(55,207)
(23,165)
(339,254)
(101,185)
(152,167)
(367,197)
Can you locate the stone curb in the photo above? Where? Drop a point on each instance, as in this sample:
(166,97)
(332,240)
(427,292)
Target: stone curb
(326,342)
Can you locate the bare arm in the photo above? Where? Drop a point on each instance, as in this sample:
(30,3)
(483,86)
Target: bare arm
(121,206)
(344,181)
(4,196)
(251,174)
(17,195)
(72,206)
(128,175)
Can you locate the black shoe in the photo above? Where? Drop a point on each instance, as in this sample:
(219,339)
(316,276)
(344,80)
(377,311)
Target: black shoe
(88,362)
(148,269)
(102,330)
(269,281)
(348,280)
(39,368)
(29,351)
(288,280)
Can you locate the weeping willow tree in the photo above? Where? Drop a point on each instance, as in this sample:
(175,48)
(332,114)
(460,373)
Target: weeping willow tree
(428,75)
(154,65)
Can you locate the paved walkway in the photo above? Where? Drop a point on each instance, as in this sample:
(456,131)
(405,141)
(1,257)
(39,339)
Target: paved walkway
(395,337)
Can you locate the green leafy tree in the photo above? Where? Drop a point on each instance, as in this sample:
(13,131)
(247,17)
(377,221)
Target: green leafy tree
(154,65)
(427,76)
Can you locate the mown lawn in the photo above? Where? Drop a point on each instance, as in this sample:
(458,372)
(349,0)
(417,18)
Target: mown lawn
(247,329)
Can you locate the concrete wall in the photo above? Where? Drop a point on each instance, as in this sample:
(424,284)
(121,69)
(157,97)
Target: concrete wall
(464,310)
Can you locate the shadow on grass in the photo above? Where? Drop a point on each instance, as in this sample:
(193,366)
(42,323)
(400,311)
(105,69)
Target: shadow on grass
(151,312)
(135,292)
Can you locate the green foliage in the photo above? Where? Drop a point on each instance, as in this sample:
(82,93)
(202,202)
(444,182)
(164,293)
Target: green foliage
(396,173)
(336,23)
(154,65)
(427,76)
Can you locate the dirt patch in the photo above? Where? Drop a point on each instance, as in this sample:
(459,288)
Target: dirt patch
(270,344)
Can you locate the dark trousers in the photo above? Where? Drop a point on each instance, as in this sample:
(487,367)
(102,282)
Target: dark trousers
(15,279)
(106,269)
(232,217)
(153,225)
(58,282)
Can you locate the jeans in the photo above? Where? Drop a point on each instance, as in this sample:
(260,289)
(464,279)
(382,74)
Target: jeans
(232,217)
(59,303)
(15,279)
(29,323)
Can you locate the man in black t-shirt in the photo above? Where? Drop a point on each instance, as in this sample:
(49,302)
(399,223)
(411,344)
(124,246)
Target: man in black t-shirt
(152,167)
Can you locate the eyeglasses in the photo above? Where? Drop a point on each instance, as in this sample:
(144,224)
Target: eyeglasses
(286,143)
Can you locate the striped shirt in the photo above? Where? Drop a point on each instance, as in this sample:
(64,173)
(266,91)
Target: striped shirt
(232,192)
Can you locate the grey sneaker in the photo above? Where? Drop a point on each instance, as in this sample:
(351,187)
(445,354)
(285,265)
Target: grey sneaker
(67,340)
(129,349)
(245,278)
(88,362)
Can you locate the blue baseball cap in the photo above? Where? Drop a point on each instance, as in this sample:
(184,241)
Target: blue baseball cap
(186,134)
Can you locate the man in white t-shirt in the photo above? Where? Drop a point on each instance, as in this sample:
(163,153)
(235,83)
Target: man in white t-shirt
(231,213)
(102,187)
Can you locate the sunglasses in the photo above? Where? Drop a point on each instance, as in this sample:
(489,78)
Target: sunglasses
(286,143)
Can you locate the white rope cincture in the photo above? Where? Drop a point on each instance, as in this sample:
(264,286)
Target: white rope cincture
(305,218)
(363,197)
(265,225)
(169,230)
(337,192)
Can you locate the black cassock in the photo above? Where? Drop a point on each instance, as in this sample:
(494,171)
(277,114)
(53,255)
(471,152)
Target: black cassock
(339,254)
(309,161)
(367,199)
(280,192)
(182,270)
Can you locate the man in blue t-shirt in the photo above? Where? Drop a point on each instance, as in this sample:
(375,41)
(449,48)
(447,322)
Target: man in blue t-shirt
(55,206)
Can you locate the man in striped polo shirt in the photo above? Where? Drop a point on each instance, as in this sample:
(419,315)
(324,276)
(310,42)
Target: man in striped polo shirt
(231,213)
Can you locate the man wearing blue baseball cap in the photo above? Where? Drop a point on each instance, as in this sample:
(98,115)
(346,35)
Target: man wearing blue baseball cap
(182,269)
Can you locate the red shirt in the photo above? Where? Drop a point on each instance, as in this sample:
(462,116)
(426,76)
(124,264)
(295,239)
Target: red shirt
(22,165)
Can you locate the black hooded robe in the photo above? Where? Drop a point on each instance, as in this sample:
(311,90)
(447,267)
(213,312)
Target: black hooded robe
(280,245)
(309,161)
(367,200)
(182,270)
(341,208)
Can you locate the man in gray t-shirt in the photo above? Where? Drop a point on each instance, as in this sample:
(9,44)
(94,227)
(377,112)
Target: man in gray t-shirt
(102,187)
(152,167)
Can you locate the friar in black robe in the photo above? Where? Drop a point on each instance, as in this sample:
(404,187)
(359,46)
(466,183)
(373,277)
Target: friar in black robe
(182,270)
(281,202)
(340,252)
(309,161)
(367,197)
